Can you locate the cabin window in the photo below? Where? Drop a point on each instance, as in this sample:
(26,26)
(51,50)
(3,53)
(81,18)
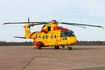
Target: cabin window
(36,36)
(39,37)
(61,34)
(55,36)
(43,37)
(49,28)
(63,39)
(51,36)
(66,38)
(46,36)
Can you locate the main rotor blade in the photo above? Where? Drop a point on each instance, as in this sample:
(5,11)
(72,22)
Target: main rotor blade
(76,24)
(36,24)
(22,22)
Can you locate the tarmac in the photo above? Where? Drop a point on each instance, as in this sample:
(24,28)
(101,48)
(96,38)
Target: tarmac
(82,57)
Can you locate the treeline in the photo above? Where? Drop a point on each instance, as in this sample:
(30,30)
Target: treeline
(90,42)
(102,42)
(4,43)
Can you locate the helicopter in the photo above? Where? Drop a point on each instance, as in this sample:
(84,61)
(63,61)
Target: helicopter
(50,34)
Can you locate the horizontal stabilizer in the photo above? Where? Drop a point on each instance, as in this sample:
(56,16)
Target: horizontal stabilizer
(19,37)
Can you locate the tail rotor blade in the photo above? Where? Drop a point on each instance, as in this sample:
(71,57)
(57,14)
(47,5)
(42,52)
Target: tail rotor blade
(29,24)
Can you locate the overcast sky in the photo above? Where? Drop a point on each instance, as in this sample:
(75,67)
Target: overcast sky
(77,11)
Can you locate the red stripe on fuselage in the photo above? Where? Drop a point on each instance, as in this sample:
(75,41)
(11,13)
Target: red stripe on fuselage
(32,34)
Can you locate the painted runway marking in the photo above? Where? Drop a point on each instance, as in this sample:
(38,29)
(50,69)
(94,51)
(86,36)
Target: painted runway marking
(28,63)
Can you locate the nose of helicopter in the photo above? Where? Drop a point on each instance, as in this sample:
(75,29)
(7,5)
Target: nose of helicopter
(72,40)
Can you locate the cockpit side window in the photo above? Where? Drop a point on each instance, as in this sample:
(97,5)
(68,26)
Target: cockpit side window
(65,33)
(61,35)
(72,33)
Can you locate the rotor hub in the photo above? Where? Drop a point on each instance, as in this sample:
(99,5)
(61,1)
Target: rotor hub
(54,20)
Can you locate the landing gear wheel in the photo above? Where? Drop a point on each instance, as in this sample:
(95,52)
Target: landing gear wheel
(38,47)
(69,48)
(34,48)
(63,46)
(56,47)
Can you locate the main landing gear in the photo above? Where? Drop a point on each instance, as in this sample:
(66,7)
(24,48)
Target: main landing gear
(63,46)
(69,47)
(38,47)
(56,47)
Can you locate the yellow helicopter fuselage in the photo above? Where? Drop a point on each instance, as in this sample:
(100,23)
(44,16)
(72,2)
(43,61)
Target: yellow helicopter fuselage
(51,35)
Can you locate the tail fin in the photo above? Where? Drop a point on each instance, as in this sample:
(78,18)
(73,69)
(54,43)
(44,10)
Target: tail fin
(26,31)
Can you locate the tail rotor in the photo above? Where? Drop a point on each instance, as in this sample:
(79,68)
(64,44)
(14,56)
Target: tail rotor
(29,24)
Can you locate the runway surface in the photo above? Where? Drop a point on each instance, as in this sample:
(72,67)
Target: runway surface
(25,58)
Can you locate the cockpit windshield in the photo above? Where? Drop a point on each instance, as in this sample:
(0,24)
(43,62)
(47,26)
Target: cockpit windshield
(65,33)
